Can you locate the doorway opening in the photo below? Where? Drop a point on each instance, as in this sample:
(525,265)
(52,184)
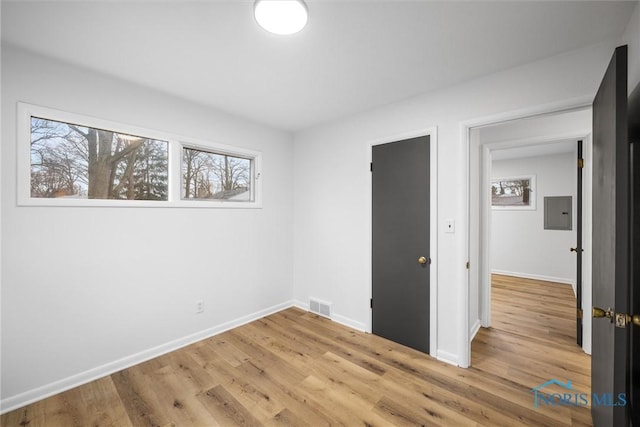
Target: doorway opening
(531,155)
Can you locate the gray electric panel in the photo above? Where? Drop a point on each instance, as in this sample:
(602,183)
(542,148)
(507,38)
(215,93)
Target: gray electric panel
(557,213)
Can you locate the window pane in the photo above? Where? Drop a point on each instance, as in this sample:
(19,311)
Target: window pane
(209,175)
(73,161)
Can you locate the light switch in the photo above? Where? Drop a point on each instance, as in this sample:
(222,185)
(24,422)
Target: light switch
(449,226)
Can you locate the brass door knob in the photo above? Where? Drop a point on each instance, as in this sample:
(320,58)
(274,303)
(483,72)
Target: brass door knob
(624,319)
(422,260)
(621,319)
(598,312)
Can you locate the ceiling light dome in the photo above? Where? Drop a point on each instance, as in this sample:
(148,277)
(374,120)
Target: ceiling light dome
(281,17)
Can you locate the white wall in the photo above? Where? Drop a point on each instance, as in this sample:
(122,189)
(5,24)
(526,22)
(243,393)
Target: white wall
(331,231)
(632,38)
(1,207)
(520,245)
(536,131)
(89,290)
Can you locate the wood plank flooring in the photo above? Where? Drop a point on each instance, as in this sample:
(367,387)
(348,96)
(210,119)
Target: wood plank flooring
(532,338)
(294,368)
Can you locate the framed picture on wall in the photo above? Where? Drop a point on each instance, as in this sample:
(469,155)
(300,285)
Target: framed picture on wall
(516,192)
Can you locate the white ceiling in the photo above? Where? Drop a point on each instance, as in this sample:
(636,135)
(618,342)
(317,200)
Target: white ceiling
(544,149)
(541,135)
(351,57)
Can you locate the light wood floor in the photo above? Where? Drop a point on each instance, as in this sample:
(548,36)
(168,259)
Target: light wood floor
(294,368)
(533,339)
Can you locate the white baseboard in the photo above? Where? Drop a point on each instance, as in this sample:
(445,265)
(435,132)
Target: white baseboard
(447,357)
(350,323)
(301,305)
(343,320)
(25,398)
(474,329)
(536,277)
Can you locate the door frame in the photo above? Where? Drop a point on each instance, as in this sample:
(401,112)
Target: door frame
(474,233)
(433,208)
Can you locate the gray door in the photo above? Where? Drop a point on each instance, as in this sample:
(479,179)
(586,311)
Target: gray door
(611,243)
(634,351)
(578,249)
(400,237)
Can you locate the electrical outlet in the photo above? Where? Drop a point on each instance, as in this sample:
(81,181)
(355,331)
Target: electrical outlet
(199,306)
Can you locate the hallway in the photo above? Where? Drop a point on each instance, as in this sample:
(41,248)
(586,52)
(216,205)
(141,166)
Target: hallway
(532,340)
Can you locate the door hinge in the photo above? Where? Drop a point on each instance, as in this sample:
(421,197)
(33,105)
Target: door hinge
(371,302)
(371,167)
(581,163)
(579,313)
(468,265)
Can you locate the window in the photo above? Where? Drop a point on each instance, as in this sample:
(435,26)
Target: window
(75,161)
(67,159)
(211,175)
(517,193)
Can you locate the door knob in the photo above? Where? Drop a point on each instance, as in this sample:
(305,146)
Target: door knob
(635,319)
(621,319)
(598,312)
(422,260)
(576,250)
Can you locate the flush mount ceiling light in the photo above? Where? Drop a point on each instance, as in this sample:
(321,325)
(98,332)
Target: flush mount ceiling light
(281,17)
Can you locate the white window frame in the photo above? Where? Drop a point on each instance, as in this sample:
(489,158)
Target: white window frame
(532,201)
(176,143)
(254,156)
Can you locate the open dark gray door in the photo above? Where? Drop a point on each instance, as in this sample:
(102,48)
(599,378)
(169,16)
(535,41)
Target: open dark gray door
(634,366)
(611,245)
(400,238)
(578,249)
